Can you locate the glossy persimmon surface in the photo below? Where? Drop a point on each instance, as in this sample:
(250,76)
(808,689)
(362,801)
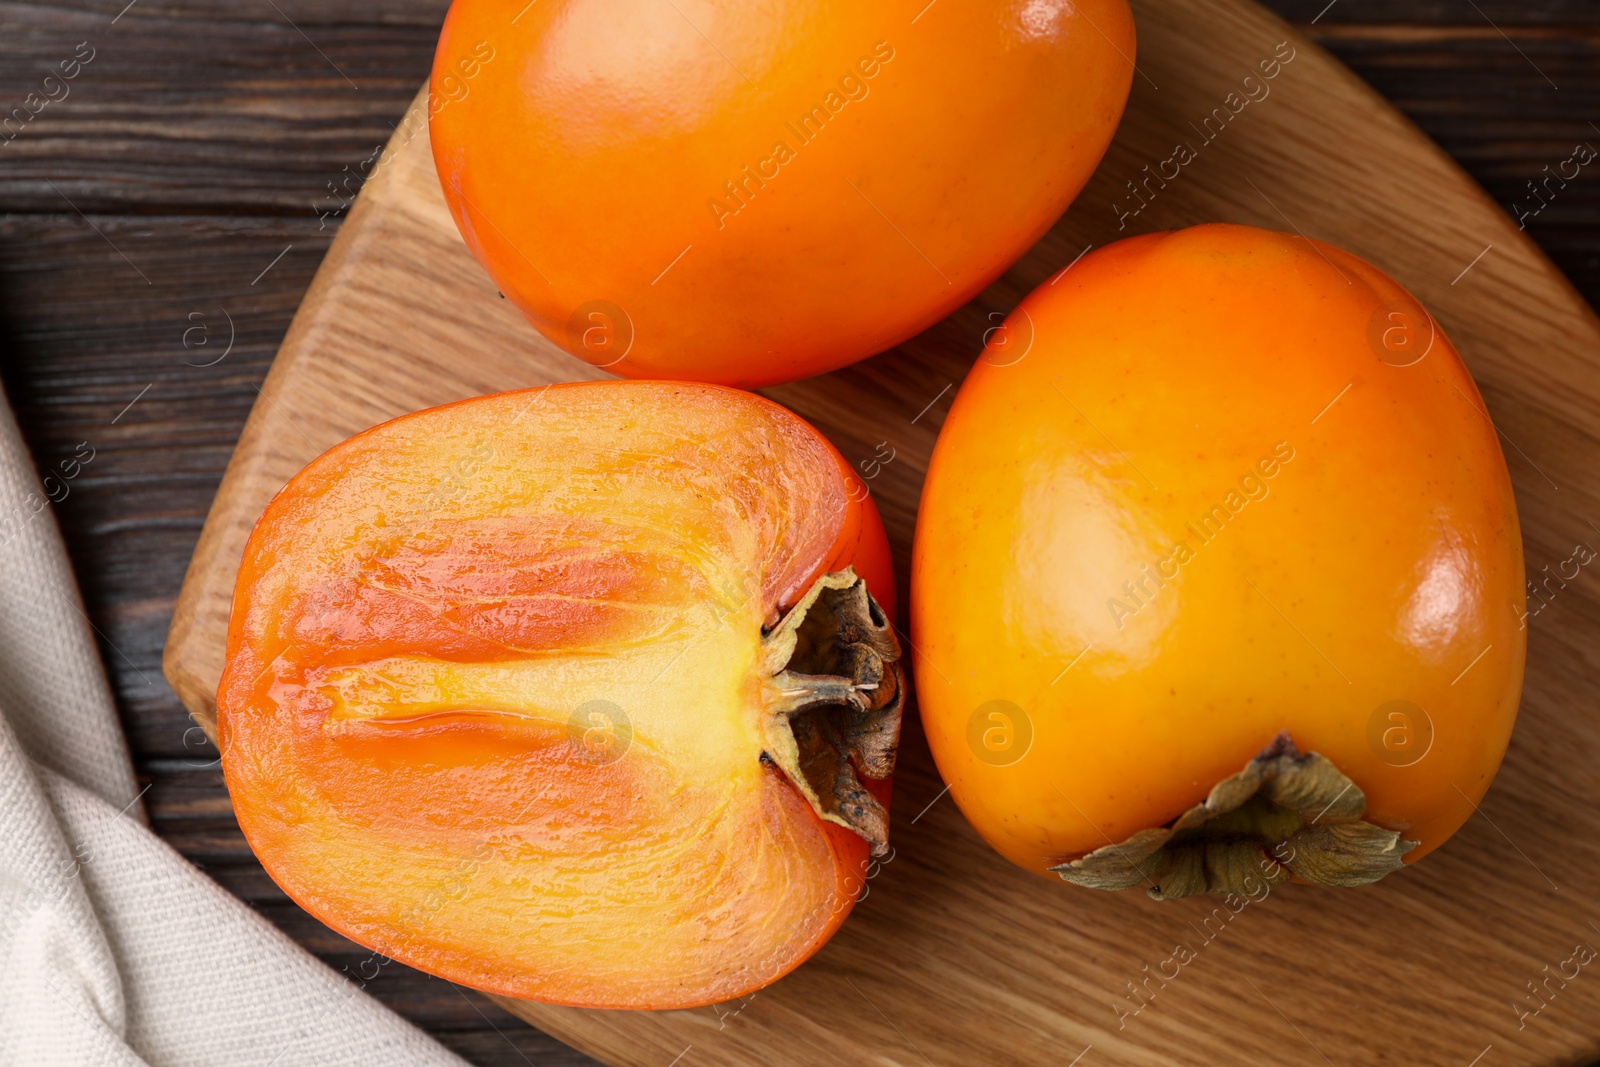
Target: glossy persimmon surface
(1205,487)
(492,706)
(745,193)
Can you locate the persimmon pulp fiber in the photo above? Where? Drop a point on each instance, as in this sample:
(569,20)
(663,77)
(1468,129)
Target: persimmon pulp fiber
(1218,499)
(722,191)
(575,694)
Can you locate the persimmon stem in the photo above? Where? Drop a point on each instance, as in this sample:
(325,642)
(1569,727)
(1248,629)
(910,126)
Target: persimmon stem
(1284,816)
(835,692)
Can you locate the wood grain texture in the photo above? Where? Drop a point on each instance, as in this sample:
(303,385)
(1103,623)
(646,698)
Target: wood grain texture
(259,114)
(955,956)
(77,341)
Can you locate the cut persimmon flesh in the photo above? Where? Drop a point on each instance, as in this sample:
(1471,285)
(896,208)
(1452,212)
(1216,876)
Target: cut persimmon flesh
(577,694)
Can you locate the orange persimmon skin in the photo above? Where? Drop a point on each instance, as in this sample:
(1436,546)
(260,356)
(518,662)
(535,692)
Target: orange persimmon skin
(1380,560)
(640,182)
(419,615)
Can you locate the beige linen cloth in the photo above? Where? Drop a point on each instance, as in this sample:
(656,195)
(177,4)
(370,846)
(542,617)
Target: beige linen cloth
(113,949)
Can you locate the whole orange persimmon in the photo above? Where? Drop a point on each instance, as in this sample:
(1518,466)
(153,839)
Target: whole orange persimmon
(1218,580)
(575,694)
(744,193)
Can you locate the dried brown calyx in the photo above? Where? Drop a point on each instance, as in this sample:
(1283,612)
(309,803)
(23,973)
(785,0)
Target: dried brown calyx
(834,694)
(1285,815)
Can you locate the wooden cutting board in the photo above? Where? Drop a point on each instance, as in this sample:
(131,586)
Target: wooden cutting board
(955,957)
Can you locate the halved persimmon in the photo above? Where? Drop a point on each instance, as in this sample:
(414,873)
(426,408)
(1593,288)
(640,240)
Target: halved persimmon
(744,193)
(1218,578)
(575,694)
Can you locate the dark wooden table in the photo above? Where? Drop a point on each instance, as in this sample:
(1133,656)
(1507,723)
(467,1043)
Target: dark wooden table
(164,214)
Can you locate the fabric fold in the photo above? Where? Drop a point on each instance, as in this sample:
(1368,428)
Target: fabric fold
(113,948)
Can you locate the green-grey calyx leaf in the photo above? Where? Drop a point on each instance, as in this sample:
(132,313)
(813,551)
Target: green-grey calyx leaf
(1285,815)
